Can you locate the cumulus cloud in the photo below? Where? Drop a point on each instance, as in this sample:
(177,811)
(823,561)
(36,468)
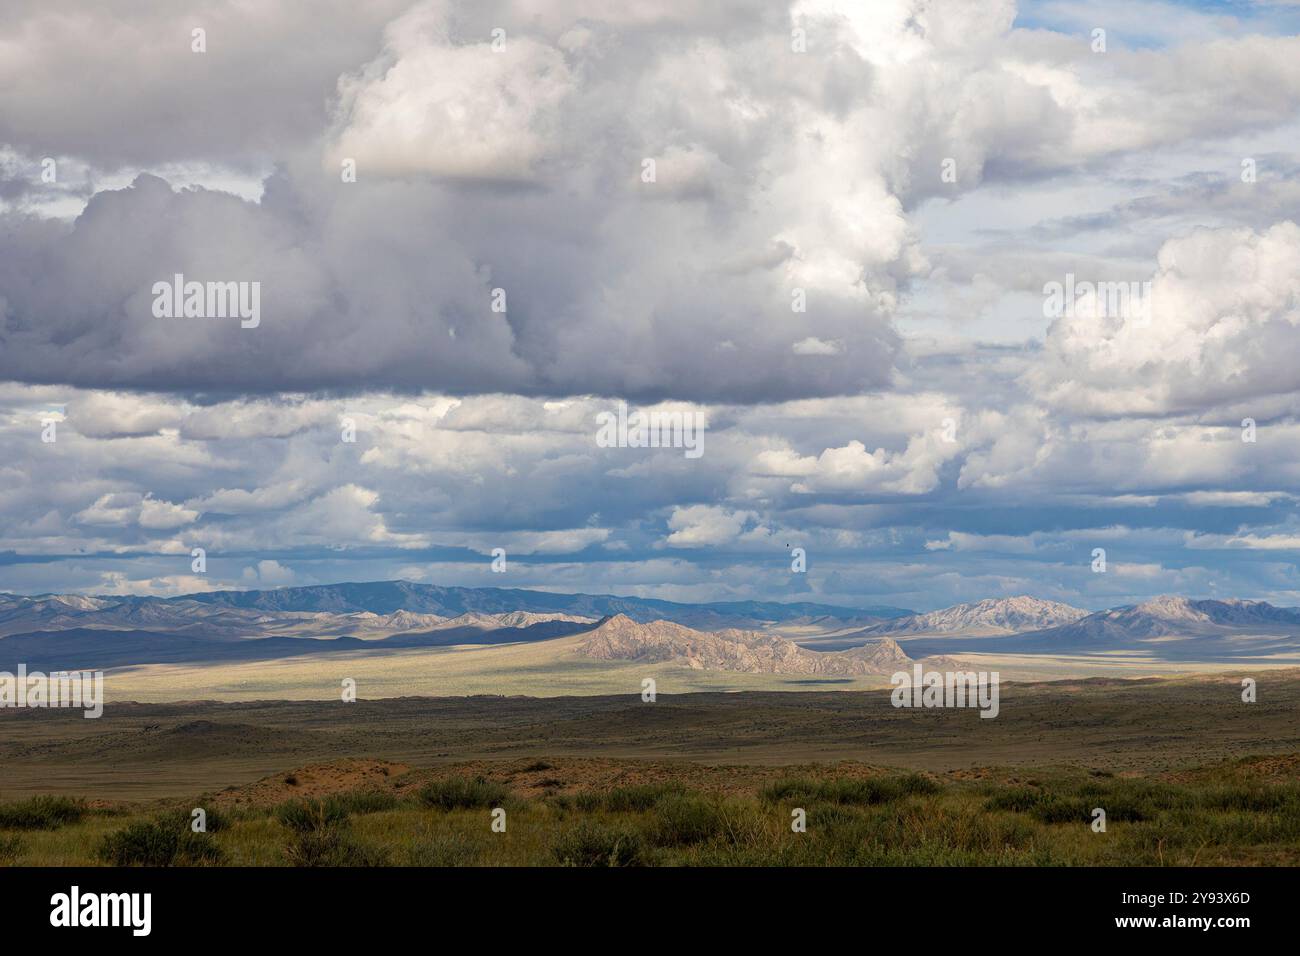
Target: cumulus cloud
(483,110)
(268,574)
(119,415)
(389,281)
(851,468)
(127,508)
(701,526)
(1223,322)
(172,585)
(613,284)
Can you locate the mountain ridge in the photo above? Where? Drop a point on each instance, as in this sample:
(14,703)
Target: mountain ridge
(1170,616)
(389,597)
(1012,615)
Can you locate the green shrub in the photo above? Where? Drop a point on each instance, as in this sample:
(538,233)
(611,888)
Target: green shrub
(1016,799)
(41,813)
(463,793)
(331,846)
(637,798)
(309,816)
(792,788)
(1053,808)
(1057,809)
(594,844)
(183,819)
(681,820)
(158,843)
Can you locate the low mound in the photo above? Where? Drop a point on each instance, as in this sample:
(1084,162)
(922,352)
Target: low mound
(318,780)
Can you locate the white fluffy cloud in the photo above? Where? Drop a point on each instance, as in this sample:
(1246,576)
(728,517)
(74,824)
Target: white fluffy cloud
(129,508)
(428,105)
(1224,326)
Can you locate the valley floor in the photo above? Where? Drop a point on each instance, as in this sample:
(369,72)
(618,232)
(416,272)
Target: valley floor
(552,669)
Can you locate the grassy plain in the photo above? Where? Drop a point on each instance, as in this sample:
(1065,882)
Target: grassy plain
(1187,772)
(619,813)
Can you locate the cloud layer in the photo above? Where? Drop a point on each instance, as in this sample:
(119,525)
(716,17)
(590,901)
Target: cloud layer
(829,227)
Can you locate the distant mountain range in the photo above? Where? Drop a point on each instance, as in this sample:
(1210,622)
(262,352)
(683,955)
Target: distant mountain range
(102,648)
(1165,616)
(1171,620)
(77,631)
(990,616)
(384,597)
(1167,627)
(74,631)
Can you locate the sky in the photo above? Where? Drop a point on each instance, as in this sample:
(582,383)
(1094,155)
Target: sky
(836,234)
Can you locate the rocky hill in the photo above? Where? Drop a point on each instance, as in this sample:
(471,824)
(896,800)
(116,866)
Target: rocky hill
(620,638)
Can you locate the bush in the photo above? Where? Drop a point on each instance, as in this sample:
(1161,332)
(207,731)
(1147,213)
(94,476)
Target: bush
(1132,799)
(182,818)
(1049,807)
(632,799)
(1016,799)
(41,813)
(683,820)
(638,799)
(158,843)
(331,846)
(593,844)
(308,816)
(463,793)
(1074,810)
(796,788)
(320,829)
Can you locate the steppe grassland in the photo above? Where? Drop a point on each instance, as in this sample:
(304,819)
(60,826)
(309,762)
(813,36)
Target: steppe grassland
(1242,812)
